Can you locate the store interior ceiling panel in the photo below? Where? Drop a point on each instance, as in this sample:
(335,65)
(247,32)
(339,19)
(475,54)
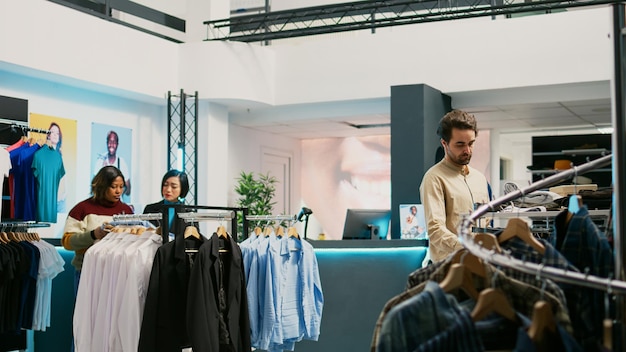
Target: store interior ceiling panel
(557,117)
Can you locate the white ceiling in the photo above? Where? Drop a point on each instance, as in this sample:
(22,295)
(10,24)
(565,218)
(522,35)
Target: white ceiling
(493,110)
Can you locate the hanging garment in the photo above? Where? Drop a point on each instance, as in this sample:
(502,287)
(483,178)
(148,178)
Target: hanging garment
(181,302)
(5,168)
(284,292)
(26,272)
(48,169)
(521,295)
(24,193)
(51,264)
(111,294)
(437,271)
(222,273)
(423,317)
(586,248)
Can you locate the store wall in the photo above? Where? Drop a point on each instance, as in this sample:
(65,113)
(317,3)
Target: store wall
(147,122)
(245,147)
(452,56)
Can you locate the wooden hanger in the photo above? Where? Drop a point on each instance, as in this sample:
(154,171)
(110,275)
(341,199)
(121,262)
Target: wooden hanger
(13,236)
(488,241)
(258,231)
(470,262)
(517,227)
(280,231)
(268,231)
(4,238)
(221,232)
(292,232)
(29,236)
(458,277)
(191,231)
(607,334)
(492,300)
(542,322)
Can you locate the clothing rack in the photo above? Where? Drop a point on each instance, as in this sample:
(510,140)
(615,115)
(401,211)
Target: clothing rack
(193,217)
(272,217)
(541,271)
(23,224)
(184,210)
(130,217)
(25,128)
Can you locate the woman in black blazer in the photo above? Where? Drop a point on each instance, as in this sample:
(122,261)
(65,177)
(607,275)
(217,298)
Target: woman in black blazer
(174,188)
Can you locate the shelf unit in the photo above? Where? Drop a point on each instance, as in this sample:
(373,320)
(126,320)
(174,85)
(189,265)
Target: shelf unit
(543,221)
(579,149)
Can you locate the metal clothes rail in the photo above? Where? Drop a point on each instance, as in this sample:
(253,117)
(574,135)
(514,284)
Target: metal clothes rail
(130,217)
(188,212)
(272,217)
(23,224)
(542,271)
(24,128)
(193,217)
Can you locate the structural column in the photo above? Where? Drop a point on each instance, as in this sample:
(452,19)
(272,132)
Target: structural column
(415,113)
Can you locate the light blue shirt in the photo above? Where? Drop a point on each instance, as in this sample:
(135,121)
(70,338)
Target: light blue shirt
(257,258)
(293,299)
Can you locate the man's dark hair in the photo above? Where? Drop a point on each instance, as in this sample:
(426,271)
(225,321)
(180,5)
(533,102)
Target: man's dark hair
(184,181)
(103,180)
(456,119)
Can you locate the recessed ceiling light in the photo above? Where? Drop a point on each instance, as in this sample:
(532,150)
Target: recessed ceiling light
(605,130)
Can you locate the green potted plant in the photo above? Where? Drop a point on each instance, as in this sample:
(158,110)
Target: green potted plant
(257,194)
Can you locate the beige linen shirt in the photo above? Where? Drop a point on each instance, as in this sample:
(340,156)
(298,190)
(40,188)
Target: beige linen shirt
(448,192)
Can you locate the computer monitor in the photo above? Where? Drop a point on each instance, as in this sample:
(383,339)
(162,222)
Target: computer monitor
(365,224)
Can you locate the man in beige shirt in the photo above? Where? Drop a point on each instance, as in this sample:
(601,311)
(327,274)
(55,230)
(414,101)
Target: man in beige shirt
(452,188)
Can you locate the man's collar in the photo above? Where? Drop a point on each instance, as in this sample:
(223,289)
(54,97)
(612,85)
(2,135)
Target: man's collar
(462,169)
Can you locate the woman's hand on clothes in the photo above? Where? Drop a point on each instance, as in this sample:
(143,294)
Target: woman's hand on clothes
(101,231)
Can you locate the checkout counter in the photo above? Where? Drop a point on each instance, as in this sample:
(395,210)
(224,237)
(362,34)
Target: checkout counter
(358,277)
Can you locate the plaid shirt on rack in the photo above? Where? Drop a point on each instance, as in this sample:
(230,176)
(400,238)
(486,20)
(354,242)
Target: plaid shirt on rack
(522,295)
(587,248)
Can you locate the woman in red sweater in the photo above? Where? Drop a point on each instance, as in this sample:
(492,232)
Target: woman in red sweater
(85,222)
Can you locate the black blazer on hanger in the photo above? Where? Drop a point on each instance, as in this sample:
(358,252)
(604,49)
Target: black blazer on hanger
(163,327)
(181,306)
(178,225)
(203,304)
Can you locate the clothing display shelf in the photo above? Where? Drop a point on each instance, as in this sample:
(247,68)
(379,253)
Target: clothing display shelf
(541,271)
(547,151)
(539,214)
(543,221)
